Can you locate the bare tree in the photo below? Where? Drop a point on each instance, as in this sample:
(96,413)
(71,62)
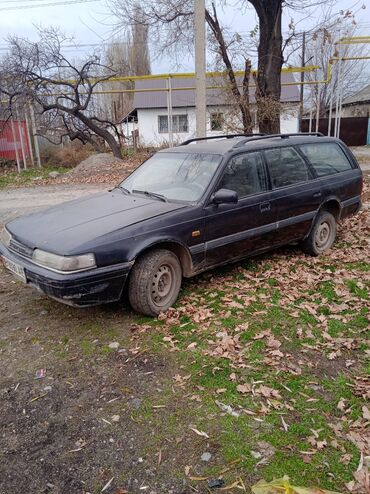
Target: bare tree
(324,50)
(65,91)
(128,56)
(171,25)
(271,48)
(117,57)
(139,58)
(241,97)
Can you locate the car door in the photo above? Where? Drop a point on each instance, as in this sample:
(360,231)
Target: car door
(296,192)
(237,230)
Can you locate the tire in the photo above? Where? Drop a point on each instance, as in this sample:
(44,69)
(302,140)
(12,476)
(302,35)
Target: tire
(322,235)
(155,282)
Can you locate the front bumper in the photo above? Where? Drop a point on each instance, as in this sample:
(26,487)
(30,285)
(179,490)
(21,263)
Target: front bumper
(96,286)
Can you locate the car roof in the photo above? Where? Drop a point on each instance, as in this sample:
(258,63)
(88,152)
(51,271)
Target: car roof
(220,146)
(224,145)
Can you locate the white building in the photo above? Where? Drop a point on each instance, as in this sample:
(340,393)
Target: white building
(152,110)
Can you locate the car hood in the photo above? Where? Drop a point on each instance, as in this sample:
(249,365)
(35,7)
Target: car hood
(63,228)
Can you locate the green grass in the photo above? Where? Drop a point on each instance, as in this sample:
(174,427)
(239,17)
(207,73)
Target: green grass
(12,178)
(358,266)
(361,292)
(309,400)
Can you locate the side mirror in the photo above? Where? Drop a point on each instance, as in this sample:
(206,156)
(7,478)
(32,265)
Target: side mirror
(225,196)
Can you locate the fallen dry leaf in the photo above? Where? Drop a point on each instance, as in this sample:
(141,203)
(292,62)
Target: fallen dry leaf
(199,433)
(244,388)
(365,413)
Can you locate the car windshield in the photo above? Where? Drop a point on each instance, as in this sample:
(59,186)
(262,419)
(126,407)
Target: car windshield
(173,176)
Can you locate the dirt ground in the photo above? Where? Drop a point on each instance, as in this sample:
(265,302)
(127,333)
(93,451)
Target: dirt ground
(94,401)
(100,168)
(90,418)
(18,201)
(94,415)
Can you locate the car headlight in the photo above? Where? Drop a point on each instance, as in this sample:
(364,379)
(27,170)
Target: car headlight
(63,263)
(5,237)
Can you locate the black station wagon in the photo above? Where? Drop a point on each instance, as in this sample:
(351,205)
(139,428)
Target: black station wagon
(187,209)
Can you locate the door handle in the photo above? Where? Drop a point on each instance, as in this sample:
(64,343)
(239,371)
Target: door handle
(265,206)
(317,195)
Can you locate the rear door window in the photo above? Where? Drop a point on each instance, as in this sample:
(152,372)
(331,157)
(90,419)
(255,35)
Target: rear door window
(326,158)
(286,167)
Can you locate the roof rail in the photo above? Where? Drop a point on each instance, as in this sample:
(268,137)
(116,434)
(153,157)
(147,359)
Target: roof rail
(257,137)
(224,136)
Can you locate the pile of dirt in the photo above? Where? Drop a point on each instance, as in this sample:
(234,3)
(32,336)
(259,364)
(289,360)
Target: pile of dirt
(95,163)
(99,168)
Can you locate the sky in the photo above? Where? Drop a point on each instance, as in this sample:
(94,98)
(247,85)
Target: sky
(92,25)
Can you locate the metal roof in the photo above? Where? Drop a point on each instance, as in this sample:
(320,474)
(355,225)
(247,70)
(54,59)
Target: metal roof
(186,97)
(362,96)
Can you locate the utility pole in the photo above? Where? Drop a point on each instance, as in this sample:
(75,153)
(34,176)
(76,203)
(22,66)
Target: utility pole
(200,67)
(34,133)
(29,142)
(303,63)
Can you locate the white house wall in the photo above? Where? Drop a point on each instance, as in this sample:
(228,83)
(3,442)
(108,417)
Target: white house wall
(148,124)
(289,120)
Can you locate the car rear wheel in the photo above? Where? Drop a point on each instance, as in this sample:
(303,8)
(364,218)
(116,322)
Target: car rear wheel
(322,235)
(155,282)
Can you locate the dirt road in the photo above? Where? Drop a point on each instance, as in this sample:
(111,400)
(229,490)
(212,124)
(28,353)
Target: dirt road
(15,202)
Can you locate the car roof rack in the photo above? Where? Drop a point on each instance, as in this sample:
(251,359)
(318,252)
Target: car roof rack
(223,136)
(257,137)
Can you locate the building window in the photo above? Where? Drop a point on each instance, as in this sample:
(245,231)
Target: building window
(217,121)
(163,124)
(179,124)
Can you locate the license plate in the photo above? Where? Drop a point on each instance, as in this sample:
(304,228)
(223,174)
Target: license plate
(14,268)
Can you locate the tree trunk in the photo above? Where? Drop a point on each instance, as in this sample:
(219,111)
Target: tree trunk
(244,99)
(103,133)
(270,61)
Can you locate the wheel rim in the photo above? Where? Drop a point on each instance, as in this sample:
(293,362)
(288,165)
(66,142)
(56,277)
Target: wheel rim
(323,235)
(163,285)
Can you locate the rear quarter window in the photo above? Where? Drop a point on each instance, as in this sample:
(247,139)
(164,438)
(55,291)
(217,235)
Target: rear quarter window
(326,158)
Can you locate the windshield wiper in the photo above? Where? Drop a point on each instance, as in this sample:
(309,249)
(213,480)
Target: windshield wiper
(151,194)
(126,191)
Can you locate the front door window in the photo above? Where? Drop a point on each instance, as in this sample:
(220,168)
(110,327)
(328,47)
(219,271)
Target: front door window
(245,174)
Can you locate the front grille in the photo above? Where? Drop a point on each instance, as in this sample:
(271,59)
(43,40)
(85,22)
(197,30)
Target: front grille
(20,249)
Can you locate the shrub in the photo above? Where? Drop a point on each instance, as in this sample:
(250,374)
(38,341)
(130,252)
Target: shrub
(67,156)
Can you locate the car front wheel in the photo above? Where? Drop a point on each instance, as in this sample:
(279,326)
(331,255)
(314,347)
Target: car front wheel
(322,235)
(155,282)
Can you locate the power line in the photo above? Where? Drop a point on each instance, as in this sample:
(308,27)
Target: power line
(83,46)
(51,4)
(20,1)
